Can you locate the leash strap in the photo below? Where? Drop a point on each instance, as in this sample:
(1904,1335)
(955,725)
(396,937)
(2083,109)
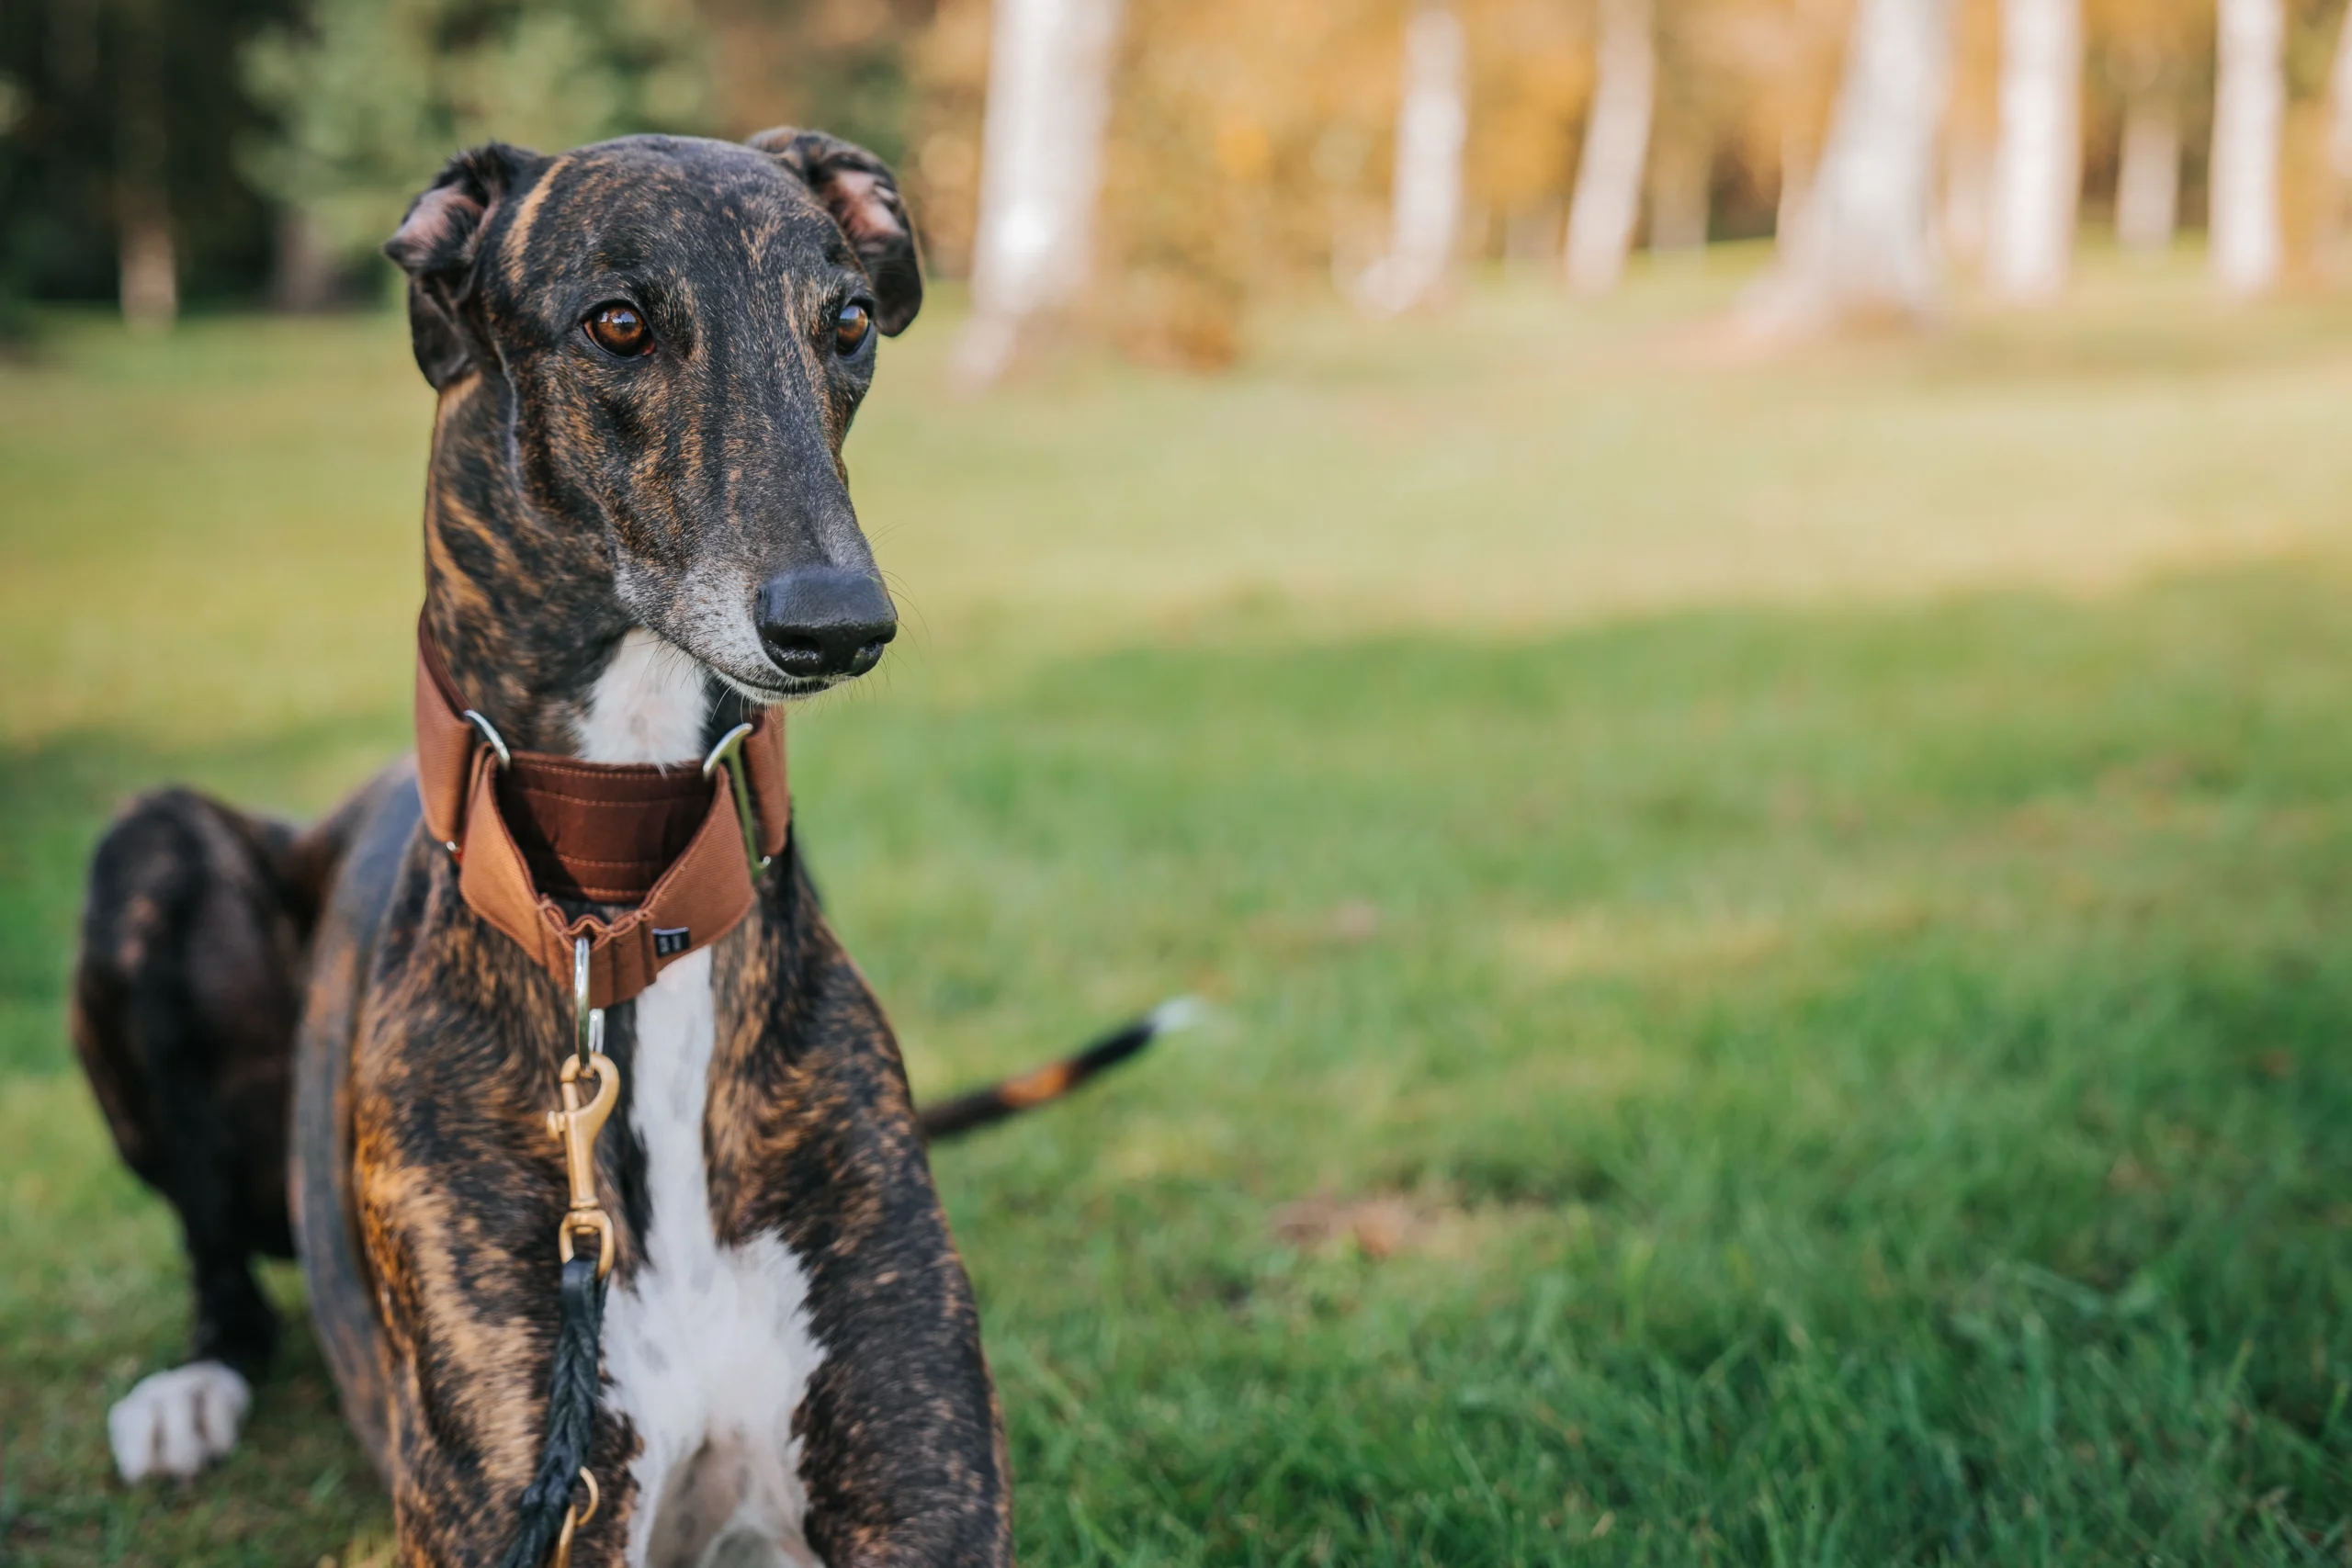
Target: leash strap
(547,1518)
(603,832)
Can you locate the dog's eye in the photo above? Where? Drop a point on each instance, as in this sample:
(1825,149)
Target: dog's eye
(618,329)
(850,329)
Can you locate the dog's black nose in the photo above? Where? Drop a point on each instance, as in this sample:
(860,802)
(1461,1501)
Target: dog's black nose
(824,621)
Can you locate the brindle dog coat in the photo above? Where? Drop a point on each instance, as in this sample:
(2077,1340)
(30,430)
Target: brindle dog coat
(793,1358)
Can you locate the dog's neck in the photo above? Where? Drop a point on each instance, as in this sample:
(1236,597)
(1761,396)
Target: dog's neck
(519,599)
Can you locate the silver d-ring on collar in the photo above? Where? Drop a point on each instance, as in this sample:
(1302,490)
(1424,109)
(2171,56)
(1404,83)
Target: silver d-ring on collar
(729,750)
(490,733)
(498,746)
(587,1022)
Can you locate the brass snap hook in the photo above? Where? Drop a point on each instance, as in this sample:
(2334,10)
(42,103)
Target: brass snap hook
(578,1125)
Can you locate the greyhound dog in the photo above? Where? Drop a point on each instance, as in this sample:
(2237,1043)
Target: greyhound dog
(338,1041)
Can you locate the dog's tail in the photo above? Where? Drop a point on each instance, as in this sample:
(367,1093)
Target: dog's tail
(1043,1085)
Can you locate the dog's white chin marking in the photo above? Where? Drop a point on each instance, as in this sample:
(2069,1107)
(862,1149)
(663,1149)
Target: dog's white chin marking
(708,1348)
(649,705)
(175,1422)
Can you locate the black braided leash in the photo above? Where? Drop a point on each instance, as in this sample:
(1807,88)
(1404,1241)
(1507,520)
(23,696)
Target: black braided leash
(547,1517)
(573,1386)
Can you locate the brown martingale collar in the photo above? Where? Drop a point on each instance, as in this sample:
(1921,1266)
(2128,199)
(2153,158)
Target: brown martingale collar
(682,845)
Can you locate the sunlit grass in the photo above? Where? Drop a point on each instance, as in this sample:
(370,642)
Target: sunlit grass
(1776,925)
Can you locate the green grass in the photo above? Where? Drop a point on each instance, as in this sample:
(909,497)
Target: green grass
(1779,926)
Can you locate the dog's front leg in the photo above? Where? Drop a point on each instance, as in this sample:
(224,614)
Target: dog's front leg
(813,1139)
(459,1188)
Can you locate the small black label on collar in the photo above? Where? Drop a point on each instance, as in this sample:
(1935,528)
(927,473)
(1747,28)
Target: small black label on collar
(670,942)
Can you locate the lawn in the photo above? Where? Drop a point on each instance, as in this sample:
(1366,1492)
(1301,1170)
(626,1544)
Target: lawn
(1780,927)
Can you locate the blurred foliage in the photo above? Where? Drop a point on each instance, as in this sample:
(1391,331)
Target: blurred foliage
(1228,163)
(371,95)
(842,65)
(341,111)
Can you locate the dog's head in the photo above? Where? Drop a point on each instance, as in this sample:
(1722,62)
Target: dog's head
(677,333)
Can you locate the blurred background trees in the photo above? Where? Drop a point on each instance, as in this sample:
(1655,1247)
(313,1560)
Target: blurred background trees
(1151,169)
(120,125)
(364,97)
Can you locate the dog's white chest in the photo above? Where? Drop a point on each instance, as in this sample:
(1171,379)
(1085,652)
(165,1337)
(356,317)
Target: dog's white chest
(708,1348)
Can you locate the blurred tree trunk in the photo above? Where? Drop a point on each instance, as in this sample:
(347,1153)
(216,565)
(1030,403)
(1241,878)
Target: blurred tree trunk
(1796,183)
(1968,196)
(2037,165)
(2249,115)
(148,270)
(1041,172)
(2339,144)
(1616,145)
(301,273)
(1425,192)
(2339,103)
(1678,194)
(2147,181)
(1864,243)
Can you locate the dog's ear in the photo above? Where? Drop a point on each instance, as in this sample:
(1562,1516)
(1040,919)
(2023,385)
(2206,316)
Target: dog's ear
(437,244)
(857,188)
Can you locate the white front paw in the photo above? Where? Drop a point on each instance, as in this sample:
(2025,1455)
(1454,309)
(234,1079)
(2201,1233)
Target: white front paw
(175,1422)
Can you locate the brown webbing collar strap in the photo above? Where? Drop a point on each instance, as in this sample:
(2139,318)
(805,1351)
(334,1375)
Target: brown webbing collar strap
(670,840)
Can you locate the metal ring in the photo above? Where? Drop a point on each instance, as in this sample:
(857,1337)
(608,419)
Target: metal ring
(729,750)
(560,1557)
(490,733)
(727,743)
(578,1220)
(583,1015)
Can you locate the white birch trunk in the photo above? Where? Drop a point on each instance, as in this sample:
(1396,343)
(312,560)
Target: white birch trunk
(1865,242)
(2038,162)
(2249,115)
(2147,180)
(1425,197)
(1616,145)
(1041,171)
